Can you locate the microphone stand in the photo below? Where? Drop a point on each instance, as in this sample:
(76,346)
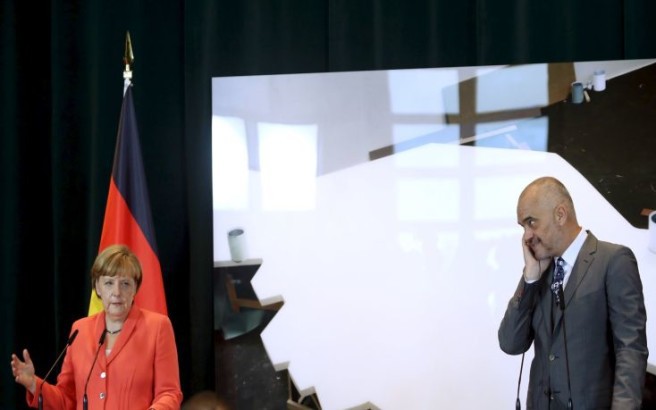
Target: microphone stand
(68,343)
(85,401)
(561,304)
(518,403)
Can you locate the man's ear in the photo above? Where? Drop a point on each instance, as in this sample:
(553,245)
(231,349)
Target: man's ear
(560,214)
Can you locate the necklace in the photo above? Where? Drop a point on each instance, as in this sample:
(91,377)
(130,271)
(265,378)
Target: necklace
(109,332)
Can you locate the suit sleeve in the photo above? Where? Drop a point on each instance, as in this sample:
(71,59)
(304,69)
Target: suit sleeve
(167,392)
(515,332)
(627,316)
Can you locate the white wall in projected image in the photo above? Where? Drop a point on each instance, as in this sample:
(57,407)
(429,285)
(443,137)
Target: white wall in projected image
(372,257)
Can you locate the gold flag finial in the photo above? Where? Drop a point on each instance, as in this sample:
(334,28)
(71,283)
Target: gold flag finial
(128,58)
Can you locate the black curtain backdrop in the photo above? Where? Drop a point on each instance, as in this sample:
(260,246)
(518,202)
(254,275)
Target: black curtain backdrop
(61,68)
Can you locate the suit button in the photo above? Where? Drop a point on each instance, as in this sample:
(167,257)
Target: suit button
(551,357)
(102,396)
(551,397)
(103,375)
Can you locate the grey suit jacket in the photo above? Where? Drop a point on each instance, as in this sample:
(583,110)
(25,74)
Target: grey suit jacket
(604,320)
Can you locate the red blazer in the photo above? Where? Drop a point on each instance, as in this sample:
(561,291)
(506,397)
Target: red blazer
(141,372)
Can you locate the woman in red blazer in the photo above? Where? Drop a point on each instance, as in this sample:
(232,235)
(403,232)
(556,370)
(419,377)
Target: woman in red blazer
(122,358)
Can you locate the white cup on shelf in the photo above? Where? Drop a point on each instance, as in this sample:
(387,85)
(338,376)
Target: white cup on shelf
(599,80)
(237,244)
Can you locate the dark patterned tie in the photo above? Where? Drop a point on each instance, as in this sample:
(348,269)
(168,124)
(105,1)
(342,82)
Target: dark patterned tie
(558,277)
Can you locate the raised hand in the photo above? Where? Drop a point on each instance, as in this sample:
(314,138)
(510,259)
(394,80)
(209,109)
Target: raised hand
(23,371)
(533,267)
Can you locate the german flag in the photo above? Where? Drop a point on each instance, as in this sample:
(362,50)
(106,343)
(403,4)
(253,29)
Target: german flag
(128,218)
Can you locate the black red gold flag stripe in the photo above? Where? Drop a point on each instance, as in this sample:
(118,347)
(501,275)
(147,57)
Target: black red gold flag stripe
(128,218)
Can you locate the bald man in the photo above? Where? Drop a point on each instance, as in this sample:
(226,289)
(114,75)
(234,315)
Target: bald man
(594,300)
(205,400)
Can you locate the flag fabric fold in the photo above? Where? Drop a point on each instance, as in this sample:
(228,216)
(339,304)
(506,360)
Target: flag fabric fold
(128,218)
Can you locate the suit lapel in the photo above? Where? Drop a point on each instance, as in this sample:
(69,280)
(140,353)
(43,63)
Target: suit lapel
(128,328)
(581,266)
(578,273)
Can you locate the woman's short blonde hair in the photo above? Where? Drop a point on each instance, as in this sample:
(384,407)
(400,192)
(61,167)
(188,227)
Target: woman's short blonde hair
(116,260)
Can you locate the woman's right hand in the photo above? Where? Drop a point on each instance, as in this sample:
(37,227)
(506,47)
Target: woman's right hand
(23,371)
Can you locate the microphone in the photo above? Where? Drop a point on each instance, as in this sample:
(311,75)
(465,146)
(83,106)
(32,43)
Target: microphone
(71,338)
(85,401)
(561,304)
(561,299)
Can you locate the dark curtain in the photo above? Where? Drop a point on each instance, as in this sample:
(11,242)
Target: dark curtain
(61,68)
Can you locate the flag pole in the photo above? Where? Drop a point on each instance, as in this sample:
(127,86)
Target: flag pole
(128,60)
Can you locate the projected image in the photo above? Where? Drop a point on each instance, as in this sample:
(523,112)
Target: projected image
(379,209)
